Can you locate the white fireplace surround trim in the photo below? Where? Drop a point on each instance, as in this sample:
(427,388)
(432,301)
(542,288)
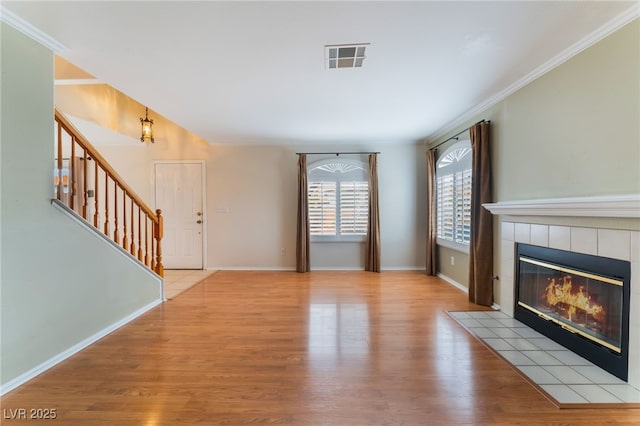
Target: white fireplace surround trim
(614,243)
(627,205)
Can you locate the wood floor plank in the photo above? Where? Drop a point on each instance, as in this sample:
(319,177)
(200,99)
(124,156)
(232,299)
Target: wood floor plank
(340,348)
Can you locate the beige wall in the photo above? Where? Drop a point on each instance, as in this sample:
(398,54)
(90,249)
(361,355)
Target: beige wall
(111,109)
(572,132)
(60,284)
(258,186)
(251,196)
(135,166)
(575,131)
(459,270)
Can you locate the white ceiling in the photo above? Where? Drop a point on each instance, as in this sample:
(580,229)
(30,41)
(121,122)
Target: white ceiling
(254,72)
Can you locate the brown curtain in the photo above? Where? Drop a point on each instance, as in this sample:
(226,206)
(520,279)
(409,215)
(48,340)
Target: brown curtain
(303,263)
(432,232)
(373,228)
(481,247)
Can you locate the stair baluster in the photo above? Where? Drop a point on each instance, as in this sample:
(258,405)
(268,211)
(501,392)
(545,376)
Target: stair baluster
(82,189)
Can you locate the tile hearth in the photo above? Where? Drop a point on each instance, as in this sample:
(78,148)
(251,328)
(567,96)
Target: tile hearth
(565,377)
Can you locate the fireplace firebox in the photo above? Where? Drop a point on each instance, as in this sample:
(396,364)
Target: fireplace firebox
(580,301)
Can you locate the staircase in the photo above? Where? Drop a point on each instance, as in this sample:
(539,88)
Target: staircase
(90,187)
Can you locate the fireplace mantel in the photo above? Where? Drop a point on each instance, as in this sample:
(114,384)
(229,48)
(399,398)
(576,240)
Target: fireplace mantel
(530,222)
(600,206)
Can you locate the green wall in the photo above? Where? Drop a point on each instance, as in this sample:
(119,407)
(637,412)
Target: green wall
(459,271)
(573,132)
(60,284)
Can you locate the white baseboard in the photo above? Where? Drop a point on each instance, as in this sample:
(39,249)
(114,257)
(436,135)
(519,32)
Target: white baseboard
(459,286)
(251,268)
(337,268)
(403,268)
(453,283)
(313,268)
(25,377)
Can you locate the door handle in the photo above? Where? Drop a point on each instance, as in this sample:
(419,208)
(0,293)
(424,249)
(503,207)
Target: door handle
(198,221)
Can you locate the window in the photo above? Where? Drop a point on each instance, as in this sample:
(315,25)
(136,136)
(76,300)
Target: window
(453,195)
(338,192)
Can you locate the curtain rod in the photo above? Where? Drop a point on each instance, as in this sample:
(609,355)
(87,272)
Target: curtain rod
(336,153)
(458,134)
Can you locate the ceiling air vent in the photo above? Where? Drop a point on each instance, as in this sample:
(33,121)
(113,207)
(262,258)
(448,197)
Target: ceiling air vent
(345,55)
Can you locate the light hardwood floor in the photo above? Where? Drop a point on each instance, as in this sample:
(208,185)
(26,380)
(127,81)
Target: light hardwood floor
(322,348)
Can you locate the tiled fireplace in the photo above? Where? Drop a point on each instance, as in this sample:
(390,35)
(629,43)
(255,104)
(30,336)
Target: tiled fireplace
(525,223)
(578,300)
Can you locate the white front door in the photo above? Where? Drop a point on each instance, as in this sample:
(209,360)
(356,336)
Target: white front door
(179,196)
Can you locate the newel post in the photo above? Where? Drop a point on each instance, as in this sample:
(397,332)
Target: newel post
(157,235)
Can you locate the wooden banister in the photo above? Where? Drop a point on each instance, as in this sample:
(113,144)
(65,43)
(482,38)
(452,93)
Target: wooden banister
(112,210)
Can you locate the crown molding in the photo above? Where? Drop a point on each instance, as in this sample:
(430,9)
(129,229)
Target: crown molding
(600,206)
(29,30)
(614,24)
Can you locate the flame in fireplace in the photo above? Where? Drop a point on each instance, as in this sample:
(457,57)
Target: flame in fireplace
(562,293)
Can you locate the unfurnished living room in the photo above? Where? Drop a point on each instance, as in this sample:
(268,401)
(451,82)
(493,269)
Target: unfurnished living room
(320,212)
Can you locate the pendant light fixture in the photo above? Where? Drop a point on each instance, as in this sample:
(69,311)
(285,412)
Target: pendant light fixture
(147,128)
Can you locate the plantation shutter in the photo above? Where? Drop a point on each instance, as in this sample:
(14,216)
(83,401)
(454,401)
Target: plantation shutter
(322,208)
(354,207)
(466,206)
(453,194)
(445,188)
